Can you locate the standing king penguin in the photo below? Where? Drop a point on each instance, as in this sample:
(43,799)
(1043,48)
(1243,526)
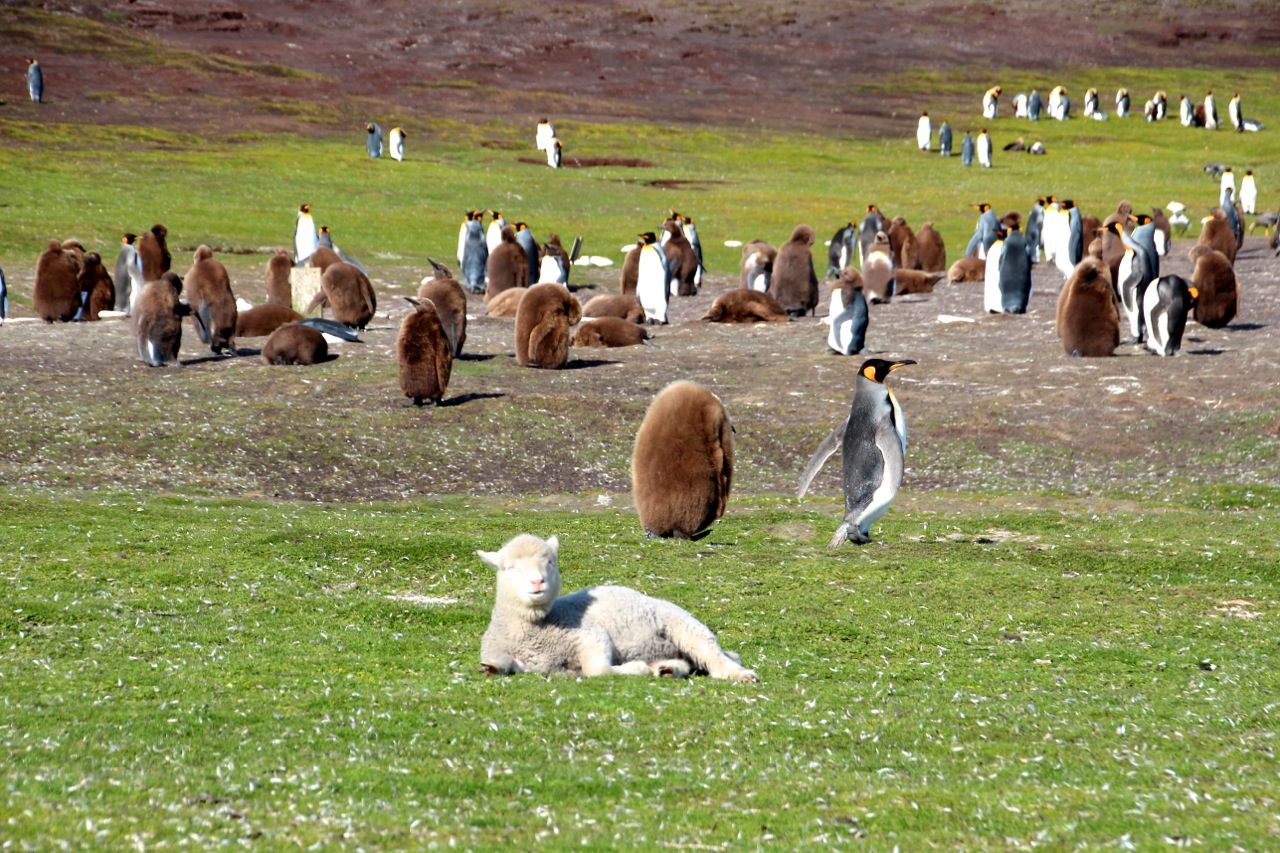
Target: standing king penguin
(873,443)
(924,132)
(944,139)
(545,132)
(128,277)
(991,103)
(305,236)
(653,280)
(1249,193)
(1034,105)
(373,141)
(966,149)
(1165,307)
(473,256)
(1015,273)
(397,143)
(35,81)
(984,148)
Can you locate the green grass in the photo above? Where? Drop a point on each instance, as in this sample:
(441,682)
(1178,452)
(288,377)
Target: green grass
(243,189)
(214,672)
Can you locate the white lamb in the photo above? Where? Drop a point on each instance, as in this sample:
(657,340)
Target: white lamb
(600,630)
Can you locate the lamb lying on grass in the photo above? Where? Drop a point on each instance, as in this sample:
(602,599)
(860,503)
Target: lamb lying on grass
(600,630)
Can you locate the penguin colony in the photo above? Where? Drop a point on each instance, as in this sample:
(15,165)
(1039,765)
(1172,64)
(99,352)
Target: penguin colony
(1112,292)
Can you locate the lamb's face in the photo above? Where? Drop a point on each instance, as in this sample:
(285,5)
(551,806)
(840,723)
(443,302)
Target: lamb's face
(527,571)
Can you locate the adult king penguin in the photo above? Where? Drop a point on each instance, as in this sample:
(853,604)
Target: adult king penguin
(1034,105)
(373,139)
(1122,103)
(35,81)
(984,148)
(873,443)
(473,256)
(305,236)
(1210,111)
(944,139)
(991,103)
(1249,193)
(1015,273)
(128,277)
(544,134)
(1035,222)
(992,302)
(924,132)
(1138,268)
(1165,307)
(966,149)
(653,280)
(397,143)
(983,231)
(524,237)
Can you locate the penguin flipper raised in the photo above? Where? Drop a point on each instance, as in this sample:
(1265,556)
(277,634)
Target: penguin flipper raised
(825,450)
(333,327)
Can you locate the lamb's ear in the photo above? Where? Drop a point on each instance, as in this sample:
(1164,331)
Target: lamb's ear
(554,544)
(492,558)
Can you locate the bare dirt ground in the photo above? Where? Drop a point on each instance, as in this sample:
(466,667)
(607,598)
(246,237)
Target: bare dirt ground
(992,405)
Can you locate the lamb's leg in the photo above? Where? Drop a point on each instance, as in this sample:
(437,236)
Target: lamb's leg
(674,668)
(696,642)
(597,659)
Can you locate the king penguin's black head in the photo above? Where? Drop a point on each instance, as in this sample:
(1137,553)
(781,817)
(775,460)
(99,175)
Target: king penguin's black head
(878,369)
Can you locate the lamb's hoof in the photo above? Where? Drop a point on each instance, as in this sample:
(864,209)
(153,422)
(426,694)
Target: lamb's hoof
(744,675)
(488,669)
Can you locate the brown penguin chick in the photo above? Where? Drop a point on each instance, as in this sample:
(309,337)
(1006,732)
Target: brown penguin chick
(902,241)
(348,293)
(1123,210)
(261,320)
(279,287)
(323,258)
(213,306)
(507,303)
(1088,320)
(1219,293)
(157,320)
(546,314)
(966,270)
(295,344)
(75,251)
(97,287)
(849,281)
(1161,222)
(1011,219)
(624,306)
(681,260)
(758,258)
(631,271)
(932,250)
(1216,234)
(450,302)
(609,332)
(745,306)
(1112,246)
(508,265)
(878,283)
(794,283)
(916,281)
(153,251)
(1089,226)
(56,294)
(426,360)
(682,465)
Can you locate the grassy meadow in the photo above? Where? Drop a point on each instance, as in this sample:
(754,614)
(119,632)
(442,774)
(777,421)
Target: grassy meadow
(999,671)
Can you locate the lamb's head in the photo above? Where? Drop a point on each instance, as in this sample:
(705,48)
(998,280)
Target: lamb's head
(528,577)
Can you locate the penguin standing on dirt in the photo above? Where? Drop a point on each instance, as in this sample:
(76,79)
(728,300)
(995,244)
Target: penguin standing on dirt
(966,149)
(305,236)
(848,316)
(526,241)
(944,139)
(1015,273)
(35,81)
(983,232)
(1035,221)
(838,254)
(128,277)
(373,140)
(991,300)
(1165,307)
(474,256)
(1075,235)
(924,132)
(397,143)
(1138,268)
(873,443)
(653,281)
